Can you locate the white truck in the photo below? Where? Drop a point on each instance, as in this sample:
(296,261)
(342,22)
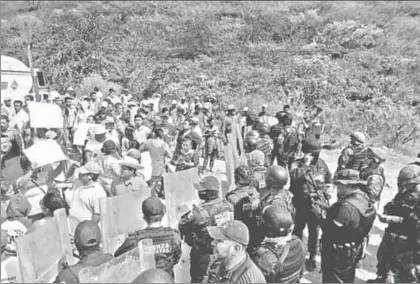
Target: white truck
(17,82)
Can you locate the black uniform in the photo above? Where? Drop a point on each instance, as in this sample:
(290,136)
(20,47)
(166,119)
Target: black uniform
(342,245)
(193,226)
(166,241)
(309,198)
(245,202)
(400,245)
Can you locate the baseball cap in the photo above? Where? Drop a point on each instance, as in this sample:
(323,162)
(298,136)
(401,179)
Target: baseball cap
(231,107)
(208,183)
(265,106)
(152,206)
(89,168)
(7,98)
(19,206)
(174,102)
(87,234)
(277,220)
(349,176)
(100,129)
(245,109)
(232,230)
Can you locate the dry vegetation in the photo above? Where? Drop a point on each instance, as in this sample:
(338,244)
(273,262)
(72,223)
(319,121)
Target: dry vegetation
(359,60)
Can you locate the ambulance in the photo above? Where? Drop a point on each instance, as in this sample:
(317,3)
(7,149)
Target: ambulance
(17,82)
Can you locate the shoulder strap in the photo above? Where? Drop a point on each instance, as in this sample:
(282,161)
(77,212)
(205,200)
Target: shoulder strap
(284,254)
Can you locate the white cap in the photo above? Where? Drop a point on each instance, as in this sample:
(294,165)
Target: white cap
(245,109)
(104,104)
(231,107)
(174,102)
(70,88)
(265,106)
(100,129)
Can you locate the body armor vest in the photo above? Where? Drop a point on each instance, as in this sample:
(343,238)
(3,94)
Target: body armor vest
(164,243)
(356,160)
(212,214)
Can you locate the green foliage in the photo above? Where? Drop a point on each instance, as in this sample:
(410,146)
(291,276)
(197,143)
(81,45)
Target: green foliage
(95,80)
(358,60)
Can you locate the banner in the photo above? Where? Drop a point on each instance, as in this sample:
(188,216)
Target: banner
(43,115)
(123,269)
(40,253)
(180,193)
(80,135)
(44,152)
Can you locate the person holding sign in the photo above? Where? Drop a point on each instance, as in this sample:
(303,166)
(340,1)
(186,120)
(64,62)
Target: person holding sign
(166,240)
(87,239)
(213,211)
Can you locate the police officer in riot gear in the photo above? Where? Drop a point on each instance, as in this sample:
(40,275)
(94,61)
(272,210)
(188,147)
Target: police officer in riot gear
(281,256)
(353,155)
(309,179)
(212,212)
(275,193)
(372,171)
(345,228)
(399,252)
(245,199)
(166,240)
(87,238)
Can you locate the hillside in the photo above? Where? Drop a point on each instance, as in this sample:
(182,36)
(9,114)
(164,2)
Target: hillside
(359,61)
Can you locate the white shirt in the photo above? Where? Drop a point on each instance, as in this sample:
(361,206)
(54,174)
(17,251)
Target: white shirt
(95,147)
(85,201)
(9,270)
(19,120)
(140,134)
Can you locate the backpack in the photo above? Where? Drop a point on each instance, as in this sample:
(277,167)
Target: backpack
(367,217)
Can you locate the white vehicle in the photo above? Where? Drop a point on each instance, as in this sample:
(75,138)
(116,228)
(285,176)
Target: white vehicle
(17,82)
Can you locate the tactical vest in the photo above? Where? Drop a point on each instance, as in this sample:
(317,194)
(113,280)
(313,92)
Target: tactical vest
(214,214)
(164,243)
(281,253)
(244,202)
(367,215)
(283,199)
(357,159)
(258,177)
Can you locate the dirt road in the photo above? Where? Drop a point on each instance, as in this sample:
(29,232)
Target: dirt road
(368,266)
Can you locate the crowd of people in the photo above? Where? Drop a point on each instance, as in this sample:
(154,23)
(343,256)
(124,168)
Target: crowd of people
(253,234)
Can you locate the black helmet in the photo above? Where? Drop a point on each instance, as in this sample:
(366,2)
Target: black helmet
(251,142)
(154,275)
(277,176)
(243,175)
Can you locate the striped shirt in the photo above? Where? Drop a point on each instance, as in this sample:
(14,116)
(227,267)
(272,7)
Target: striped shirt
(244,272)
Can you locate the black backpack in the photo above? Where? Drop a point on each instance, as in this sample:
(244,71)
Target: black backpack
(367,216)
